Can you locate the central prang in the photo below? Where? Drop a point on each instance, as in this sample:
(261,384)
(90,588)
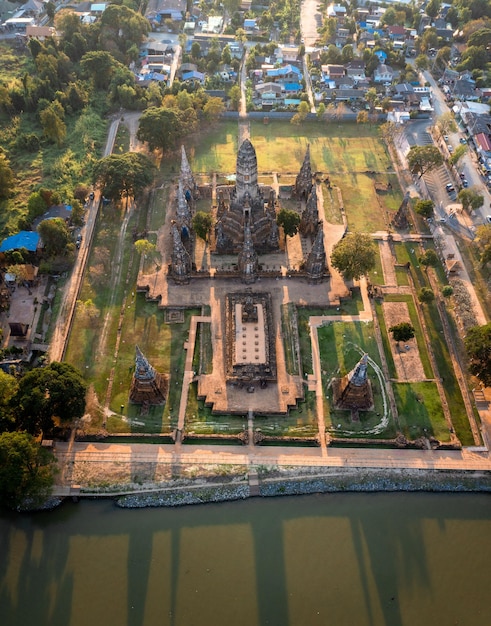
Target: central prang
(244,206)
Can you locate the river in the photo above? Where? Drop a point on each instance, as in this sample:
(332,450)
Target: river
(338,559)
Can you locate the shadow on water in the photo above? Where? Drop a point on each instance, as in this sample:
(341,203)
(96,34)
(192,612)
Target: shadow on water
(375,542)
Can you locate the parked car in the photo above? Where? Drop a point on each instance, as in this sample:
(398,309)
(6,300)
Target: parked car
(91,195)
(488,218)
(449,187)
(450,148)
(463,141)
(462,175)
(465,182)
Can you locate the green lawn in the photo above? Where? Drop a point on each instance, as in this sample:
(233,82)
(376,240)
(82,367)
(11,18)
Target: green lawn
(300,421)
(341,347)
(420,411)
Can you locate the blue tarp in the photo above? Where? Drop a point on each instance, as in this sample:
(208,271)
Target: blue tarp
(25,239)
(292,87)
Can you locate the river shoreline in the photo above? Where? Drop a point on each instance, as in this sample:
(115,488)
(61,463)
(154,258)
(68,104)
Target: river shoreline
(302,481)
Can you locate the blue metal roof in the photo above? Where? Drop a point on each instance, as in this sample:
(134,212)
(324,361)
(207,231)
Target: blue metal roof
(25,239)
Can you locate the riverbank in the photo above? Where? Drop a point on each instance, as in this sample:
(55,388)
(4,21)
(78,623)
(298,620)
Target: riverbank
(274,482)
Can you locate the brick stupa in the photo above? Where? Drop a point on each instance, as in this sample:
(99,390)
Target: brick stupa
(353,392)
(148,386)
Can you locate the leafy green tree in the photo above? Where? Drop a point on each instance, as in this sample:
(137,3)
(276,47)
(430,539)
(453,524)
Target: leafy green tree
(99,65)
(423,159)
(354,255)
(321,109)
(234,95)
(447,291)
(424,208)
(26,470)
(8,389)
(404,331)
(36,205)
(162,128)
(362,117)
(143,246)
(457,155)
(470,199)
(421,62)
(53,125)
(202,223)
(289,221)
(433,8)
(56,392)
(7,177)
(426,295)
(429,258)
(478,346)
(213,109)
(445,124)
(123,174)
(55,235)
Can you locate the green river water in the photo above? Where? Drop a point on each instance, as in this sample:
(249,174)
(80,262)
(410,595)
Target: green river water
(339,559)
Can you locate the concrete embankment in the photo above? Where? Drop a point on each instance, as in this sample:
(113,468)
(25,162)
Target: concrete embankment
(283,483)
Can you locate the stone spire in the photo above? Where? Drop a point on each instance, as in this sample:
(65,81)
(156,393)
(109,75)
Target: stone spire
(315,266)
(246,172)
(400,218)
(147,386)
(353,392)
(310,215)
(183,211)
(180,268)
(186,176)
(303,182)
(248,262)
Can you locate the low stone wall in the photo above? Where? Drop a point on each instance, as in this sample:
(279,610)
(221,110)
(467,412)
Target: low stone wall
(186,495)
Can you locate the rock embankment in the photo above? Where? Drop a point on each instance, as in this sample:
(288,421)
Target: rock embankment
(185,495)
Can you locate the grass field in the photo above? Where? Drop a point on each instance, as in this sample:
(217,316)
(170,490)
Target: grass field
(341,347)
(420,411)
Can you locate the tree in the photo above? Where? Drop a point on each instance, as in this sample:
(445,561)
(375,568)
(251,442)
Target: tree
(421,62)
(354,255)
(426,295)
(8,389)
(123,174)
(423,159)
(470,199)
(446,124)
(478,346)
(213,109)
(424,208)
(234,95)
(457,155)
(289,221)
(7,178)
(447,291)
(432,8)
(56,392)
(371,97)
(143,246)
(429,258)
(98,65)
(321,109)
(404,331)
(162,127)
(202,223)
(55,235)
(362,117)
(52,121)
(26,470)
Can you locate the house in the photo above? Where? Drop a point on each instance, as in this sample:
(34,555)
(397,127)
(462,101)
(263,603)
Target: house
(465,90)
(332,72)
(286,54)
(250,25)
(337,11)
(396,32)
(29,240)
(355,69)
(40,32)
(193,77)
(483,146)
(383,74)
(162,10)
(285,74)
